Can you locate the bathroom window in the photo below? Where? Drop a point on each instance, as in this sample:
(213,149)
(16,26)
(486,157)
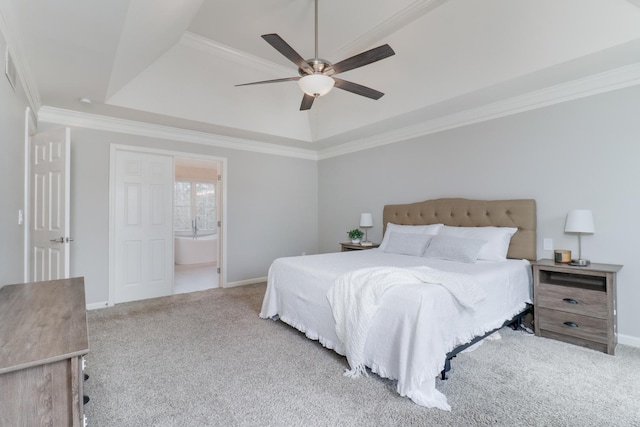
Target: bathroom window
(195,202)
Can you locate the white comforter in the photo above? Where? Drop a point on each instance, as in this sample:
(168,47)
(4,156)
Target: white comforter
(414,326)
(356,296)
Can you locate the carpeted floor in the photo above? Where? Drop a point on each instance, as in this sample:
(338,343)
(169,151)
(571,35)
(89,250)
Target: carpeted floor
(207,359)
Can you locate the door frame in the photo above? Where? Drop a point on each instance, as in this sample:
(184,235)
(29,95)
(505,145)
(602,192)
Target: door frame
(29,129)
(222,259)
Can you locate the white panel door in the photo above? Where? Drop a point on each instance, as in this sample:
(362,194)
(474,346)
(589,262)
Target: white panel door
(143,208)
(49,197)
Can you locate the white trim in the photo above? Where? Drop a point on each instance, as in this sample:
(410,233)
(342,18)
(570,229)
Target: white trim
(245,282)
(112,176)
(98,305)
(67,200)
(112,226)
(592,85)
(131,127)
(629,340)
(28,125)
(211,47)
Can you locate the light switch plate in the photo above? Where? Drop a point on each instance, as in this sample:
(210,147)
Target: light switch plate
(547,244)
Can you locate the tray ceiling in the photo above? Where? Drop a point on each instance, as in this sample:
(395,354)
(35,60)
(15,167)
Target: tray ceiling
(176,63)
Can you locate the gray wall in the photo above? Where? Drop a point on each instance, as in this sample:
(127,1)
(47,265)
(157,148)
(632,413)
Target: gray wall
(271,207)
(579,154)
(12,112)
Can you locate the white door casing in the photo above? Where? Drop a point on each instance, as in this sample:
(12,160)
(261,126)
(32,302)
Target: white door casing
(219,215)
(49,190)
(143,240)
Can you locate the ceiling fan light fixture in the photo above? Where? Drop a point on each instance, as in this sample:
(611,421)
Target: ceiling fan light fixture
(316,84)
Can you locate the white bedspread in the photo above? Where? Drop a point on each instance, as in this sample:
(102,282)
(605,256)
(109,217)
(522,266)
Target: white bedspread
(414,326)
(356,296)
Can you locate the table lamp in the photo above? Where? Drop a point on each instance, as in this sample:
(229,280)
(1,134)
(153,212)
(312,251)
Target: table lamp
(366,221)
(580,221)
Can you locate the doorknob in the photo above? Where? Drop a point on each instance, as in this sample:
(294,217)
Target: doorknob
(60,240)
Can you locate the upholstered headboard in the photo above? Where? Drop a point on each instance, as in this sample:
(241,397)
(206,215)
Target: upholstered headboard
(520,213)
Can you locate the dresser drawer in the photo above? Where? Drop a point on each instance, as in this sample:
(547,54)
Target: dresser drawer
(573,300)
(585,327)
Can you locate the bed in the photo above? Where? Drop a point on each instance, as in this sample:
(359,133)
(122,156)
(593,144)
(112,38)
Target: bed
(421,308)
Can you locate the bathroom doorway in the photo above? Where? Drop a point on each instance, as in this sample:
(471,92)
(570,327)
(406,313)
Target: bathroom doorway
(197,224)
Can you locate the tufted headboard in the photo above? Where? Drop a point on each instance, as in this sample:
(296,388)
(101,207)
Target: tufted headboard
(520,213)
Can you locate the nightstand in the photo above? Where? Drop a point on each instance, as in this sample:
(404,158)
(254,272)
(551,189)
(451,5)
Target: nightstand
(344,247)
(576,304)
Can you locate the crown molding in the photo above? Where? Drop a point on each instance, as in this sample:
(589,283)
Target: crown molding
(24,74)
(599,83)
(592,85)
(211,47)
(131,127)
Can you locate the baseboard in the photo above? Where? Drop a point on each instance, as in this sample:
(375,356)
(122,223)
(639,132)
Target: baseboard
(629,340)
(245,282)
(97,305)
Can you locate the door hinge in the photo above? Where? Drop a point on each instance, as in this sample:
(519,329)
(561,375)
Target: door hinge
(219,223)
(218,270)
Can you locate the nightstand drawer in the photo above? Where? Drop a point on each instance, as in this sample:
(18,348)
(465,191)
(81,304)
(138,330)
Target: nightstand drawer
(573,300)
(575,325)
(576,304)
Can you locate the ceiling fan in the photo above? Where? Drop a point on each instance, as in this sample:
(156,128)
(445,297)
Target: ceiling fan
(316,75)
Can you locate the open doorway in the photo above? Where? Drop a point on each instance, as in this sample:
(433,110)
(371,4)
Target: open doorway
(141,226)
(196,224)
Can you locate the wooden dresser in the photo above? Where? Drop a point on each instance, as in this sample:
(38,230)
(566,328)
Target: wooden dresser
(43,337)
(576,304)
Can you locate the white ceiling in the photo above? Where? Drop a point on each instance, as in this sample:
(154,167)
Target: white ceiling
(176,62)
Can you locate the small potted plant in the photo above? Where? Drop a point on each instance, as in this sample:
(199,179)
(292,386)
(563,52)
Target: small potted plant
(355,235)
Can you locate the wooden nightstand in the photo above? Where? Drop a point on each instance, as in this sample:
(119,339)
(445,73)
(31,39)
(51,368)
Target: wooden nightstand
(344,247)
(576,304)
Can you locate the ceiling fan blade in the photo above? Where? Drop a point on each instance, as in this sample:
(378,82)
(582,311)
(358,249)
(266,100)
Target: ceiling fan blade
(281,46)
(307,102)
(286,79)
(364,58)
(357,89)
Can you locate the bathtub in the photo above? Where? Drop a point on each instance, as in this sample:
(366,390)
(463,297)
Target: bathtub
(199,250)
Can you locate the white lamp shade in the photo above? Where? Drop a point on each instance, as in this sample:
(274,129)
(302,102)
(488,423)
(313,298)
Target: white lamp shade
(366,220)
(316,84)
(580,221)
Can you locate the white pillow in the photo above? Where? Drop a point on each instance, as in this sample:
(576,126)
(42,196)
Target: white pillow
(407,243)
(412,229)
(497,238)
(452,248)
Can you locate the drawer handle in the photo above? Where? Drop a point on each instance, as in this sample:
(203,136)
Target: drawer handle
(570,301)
(571,324)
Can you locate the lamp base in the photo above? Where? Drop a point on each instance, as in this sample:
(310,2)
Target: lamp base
(580,262)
